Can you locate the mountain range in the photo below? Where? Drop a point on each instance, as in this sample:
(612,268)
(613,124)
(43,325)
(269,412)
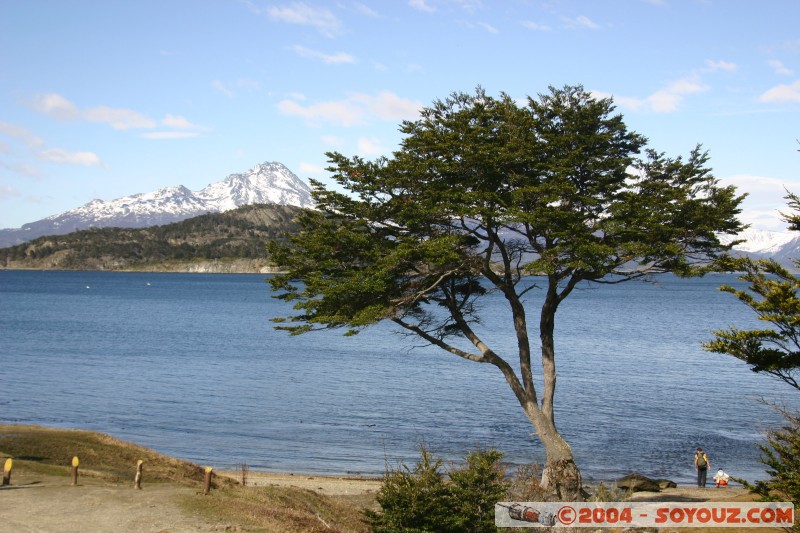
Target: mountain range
(266,183)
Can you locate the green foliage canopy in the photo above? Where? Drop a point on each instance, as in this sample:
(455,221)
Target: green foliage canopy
(484,187)
(772,294)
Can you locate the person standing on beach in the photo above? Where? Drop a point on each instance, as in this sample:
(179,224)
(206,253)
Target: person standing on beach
(701,465)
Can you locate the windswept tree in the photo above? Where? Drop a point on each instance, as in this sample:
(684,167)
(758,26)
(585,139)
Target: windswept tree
(773,294)
(483,194)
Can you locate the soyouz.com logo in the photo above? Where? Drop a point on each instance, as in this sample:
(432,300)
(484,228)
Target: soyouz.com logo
(644,514)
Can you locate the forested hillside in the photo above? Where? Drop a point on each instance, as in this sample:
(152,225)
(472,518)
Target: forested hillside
(233,241)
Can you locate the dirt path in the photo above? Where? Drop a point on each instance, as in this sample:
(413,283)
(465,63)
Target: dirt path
(44,504)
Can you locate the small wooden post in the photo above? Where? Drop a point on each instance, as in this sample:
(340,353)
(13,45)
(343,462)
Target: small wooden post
(207,481)
(137,480)
(244,469)
(75,463)
(7,471)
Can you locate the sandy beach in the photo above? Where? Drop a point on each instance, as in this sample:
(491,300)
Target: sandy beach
(328,485)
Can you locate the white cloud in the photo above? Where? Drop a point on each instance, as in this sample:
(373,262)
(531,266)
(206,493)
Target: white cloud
(368,147)
(179,122)
(751,183)
(488,27)
(222,88)
(666,100)
(332,140)
(365,10)
(7,191)
(118,118)
(389,106)
(21,134)
(309,168)
(687,86)
(182,128)
(343,113)
(61,156)
(727,66)
(627,102)
(357,109)
(671,97)
(161,135)
(229,89)
(765,199)
(468,5)
(782,93)
(246,83)
(779,68)
(581,22)
(531,25)
(331,59)
(302,14)
(421,5)
(55,105)
(23,169)
(35,144)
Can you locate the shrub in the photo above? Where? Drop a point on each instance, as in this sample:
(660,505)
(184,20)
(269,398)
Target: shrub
(781,455)
(525,487)
(476,488)
(425,499)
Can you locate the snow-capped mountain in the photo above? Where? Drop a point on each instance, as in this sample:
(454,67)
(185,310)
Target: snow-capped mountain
(782,246)
(266,183)
(760,241)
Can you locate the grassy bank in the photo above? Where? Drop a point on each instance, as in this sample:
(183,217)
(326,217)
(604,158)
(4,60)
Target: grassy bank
(42,457)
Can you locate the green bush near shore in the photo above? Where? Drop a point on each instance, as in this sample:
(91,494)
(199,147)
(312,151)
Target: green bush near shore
(425,498)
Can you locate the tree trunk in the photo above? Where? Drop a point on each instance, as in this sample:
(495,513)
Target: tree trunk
(560,476)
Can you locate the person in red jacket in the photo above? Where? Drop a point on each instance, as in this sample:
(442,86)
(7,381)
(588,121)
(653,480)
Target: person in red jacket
(721,479)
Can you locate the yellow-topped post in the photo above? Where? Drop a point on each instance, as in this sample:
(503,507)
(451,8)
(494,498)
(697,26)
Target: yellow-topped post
(207,480)
(137,480)
(75,464)
(7,471)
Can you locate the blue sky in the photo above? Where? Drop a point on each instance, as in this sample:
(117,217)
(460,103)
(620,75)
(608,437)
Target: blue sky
(102,99)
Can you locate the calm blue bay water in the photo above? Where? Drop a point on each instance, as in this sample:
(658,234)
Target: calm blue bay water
(191,366)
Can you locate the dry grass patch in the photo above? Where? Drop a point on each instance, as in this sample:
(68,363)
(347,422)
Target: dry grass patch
(39,451)
(50,451)
(279,509)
